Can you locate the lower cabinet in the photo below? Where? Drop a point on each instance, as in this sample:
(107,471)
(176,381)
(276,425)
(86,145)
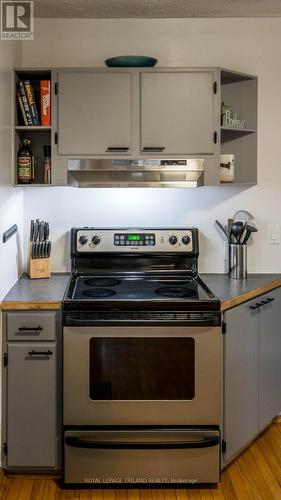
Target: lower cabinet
(31,434)
(252,370)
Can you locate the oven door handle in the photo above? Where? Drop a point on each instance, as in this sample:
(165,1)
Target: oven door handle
(206,442)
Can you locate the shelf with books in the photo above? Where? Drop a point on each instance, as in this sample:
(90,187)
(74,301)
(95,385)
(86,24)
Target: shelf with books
(32,122)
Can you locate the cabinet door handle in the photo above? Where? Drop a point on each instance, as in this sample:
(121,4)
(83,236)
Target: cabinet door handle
(30,329)
(153,149)
(40,353)
(112,149)
(269,299)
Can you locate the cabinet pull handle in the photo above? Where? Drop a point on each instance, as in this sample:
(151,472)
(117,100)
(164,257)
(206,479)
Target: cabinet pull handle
(269,299)
(153,149)
(112,149)
(256,306)
(40,353)
(30,329)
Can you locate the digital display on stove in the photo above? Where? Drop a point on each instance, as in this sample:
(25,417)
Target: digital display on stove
(126,239)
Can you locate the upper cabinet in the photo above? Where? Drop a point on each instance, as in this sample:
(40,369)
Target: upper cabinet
(94,113)
(138,114)
(177,113)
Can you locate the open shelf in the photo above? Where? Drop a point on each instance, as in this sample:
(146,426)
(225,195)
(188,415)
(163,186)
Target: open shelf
(38,128)
(40,135)
(239,91)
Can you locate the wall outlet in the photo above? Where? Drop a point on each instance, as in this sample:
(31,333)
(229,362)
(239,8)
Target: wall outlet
(273,234)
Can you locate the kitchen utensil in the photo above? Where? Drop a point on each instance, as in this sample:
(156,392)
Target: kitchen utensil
(244,216)
(41,231)
(31,230)
(249,230)
(238,261)
(36,231)
(46,231)
(49,247)
(236,230)
(222,228)
(131,61)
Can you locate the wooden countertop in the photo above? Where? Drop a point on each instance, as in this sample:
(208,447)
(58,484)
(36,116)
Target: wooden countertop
(47,294)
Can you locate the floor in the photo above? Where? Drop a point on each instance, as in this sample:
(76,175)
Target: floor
(254,475)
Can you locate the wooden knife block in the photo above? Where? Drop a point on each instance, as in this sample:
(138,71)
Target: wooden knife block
(38,268)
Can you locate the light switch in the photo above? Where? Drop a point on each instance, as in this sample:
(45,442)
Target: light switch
(274,234)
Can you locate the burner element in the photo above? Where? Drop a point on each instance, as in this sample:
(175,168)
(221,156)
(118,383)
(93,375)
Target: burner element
(98,293)
(175,292)
(102,282)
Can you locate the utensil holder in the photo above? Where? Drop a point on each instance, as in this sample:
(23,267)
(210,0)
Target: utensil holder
(238,261)
(39,268)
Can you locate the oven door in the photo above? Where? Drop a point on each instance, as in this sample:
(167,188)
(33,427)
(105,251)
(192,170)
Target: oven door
(136,375)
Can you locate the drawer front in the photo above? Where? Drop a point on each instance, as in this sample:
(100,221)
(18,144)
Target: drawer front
(31,326)
(153,456)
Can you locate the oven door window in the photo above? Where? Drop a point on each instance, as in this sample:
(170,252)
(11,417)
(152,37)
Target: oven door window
(151,369)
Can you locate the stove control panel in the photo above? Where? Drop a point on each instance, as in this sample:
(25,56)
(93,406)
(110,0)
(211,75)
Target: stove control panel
(129,240)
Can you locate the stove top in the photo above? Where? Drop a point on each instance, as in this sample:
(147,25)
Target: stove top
(142,288)
(142,271)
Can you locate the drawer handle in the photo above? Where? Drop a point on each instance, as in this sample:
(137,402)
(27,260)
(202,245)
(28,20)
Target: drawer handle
(112,149)
(206,442)
(30,329)
(153,149)
(40,353)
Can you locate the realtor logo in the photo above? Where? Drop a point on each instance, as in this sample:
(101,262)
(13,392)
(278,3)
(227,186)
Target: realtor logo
(17,20)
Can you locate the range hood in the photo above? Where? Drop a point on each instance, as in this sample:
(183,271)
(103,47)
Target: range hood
(136,173)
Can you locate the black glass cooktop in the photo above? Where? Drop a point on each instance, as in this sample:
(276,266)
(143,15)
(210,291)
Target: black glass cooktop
(138,288)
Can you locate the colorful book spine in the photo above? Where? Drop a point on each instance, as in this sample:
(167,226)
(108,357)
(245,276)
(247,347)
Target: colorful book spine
(31,102)
(22,108)
(25,103)
(45,102)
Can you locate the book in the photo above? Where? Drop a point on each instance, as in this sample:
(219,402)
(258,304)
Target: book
(25,103)
(45,102)
(31,102)
(22,108)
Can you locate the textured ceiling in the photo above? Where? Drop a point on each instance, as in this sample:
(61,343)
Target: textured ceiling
(157,8)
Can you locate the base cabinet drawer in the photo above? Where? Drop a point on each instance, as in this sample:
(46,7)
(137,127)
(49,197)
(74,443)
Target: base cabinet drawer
(140,457)
(31,420)
(31,325)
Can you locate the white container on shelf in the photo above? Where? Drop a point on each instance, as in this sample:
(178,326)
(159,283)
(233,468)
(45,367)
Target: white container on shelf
(227,164)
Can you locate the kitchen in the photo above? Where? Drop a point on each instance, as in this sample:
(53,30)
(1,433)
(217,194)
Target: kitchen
(232,43)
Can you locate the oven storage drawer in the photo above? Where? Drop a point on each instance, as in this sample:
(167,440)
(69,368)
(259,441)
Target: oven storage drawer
(142,456)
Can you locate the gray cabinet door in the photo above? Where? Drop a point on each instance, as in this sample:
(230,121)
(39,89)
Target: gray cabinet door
(94,112)
(177,112)
(241,391)
(31,405)
(270,358)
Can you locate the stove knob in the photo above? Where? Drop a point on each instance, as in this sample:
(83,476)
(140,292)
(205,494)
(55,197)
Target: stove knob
(173,240)
(95,240)
(83,239)
(185,239)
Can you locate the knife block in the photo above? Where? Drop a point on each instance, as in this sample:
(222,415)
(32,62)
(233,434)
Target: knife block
(39,268)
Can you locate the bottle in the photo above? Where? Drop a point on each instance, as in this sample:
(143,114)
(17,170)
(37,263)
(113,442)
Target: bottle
(47,164)
(25,163)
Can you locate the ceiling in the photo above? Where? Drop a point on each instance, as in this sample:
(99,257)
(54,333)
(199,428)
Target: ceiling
(156,8)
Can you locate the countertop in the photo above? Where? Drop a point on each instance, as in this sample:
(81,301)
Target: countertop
(37,294)
(232,292)
(48,293)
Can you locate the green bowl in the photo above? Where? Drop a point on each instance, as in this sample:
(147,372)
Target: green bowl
(131,61)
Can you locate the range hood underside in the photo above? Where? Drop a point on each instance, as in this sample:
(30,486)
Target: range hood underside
(136,173)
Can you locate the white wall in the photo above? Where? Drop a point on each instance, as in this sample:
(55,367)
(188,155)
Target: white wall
(250,45)
(11,199)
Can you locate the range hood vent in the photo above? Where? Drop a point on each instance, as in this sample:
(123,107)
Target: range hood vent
(136,173)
